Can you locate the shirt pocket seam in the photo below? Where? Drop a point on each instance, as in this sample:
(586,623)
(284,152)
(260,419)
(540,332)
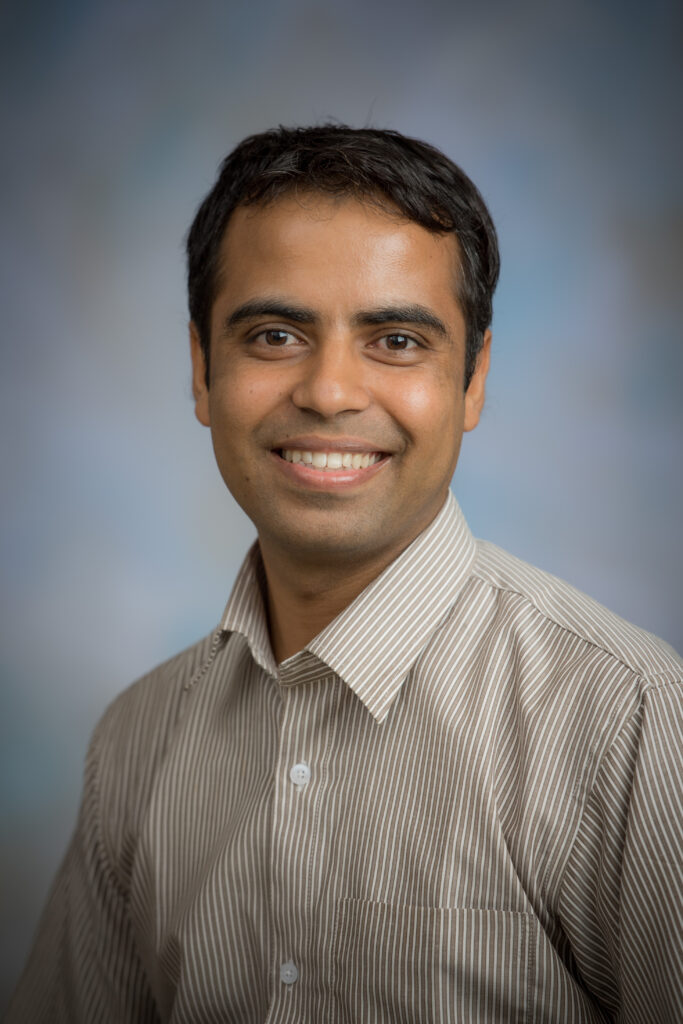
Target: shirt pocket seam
(525,925)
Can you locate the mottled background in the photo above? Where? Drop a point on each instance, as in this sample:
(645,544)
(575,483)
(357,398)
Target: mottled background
(119,545)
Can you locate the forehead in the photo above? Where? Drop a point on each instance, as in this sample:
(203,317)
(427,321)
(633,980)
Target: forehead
(344,250)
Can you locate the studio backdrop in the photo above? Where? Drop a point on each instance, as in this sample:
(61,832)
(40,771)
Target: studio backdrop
(120,543)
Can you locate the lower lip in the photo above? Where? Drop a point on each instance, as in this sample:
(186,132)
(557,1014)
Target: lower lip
(328,479)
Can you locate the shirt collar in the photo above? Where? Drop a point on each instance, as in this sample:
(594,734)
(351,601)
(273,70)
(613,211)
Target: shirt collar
(245,612)
(373,643)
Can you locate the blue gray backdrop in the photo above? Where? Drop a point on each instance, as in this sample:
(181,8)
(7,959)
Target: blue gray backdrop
(119,543)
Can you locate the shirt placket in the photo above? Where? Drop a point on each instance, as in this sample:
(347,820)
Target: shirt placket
(309,696)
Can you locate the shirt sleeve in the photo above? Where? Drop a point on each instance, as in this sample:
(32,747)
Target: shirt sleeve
(622,894)
(84,966)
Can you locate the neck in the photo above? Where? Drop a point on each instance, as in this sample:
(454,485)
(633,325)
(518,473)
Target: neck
(303,599)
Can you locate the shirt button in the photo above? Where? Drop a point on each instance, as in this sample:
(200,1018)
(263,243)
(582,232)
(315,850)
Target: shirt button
(288,973)
(300,774)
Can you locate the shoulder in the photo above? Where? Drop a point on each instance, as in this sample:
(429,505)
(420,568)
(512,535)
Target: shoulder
(140,720)
(587,700)
(572,615)
(129,745)
(577,675)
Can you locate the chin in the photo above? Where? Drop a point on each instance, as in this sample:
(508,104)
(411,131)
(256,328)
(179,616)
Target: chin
(324,542)
(330,543)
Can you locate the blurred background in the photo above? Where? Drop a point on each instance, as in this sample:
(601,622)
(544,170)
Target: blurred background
(119,543)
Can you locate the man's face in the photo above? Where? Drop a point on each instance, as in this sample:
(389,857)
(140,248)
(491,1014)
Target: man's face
(336,401)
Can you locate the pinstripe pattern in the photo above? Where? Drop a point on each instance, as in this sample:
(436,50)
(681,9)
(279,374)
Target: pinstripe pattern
(491,830)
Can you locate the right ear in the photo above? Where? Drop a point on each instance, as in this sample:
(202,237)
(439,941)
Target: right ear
(200,390)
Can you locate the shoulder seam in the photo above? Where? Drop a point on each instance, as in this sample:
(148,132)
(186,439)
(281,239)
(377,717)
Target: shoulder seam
(659,680)
(636,671)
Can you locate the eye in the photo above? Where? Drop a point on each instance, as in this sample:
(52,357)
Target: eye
(398,343)
(275,338)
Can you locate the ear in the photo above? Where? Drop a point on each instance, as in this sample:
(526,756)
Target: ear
(476,390)
(199,389)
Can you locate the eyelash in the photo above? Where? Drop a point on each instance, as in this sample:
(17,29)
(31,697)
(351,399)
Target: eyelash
(271,330)
(406,337)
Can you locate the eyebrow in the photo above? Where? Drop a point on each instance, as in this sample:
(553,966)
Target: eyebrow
(411,314)
(255,308)
(419,316)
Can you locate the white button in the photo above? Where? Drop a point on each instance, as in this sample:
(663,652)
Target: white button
(288,973)
(300,774)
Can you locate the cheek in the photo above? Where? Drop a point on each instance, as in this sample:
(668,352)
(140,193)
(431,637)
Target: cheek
(240,401)
(428,409)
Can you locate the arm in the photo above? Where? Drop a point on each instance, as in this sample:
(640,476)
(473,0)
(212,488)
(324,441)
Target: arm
(627,938)
(84,965)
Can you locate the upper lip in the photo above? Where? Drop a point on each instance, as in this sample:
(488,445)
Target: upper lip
(329,444)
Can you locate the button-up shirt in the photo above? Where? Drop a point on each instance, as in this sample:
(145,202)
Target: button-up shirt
(460,802)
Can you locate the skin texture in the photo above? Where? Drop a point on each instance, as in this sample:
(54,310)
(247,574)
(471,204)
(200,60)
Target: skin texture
(332,380)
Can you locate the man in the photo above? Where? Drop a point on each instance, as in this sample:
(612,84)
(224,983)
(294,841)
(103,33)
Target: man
(409,778)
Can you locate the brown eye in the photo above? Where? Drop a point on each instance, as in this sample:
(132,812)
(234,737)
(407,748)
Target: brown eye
(399,342)
(275,337)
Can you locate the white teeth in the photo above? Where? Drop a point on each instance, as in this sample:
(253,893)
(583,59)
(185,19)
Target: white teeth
(331,460)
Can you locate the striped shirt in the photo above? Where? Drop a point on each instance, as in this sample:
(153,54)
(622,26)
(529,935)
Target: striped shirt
(460,802)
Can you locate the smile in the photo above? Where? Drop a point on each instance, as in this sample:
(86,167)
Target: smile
(331,460)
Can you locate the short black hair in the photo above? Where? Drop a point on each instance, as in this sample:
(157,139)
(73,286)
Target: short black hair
(378,166)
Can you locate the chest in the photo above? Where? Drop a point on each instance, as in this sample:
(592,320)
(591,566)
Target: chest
(301,861)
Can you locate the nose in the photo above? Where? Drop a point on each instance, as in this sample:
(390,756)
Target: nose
(332,381)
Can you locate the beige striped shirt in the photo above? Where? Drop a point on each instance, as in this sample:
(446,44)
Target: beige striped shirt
(461,802)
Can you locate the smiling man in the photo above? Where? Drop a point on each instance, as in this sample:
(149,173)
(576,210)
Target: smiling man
(408,778)
(335,392)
